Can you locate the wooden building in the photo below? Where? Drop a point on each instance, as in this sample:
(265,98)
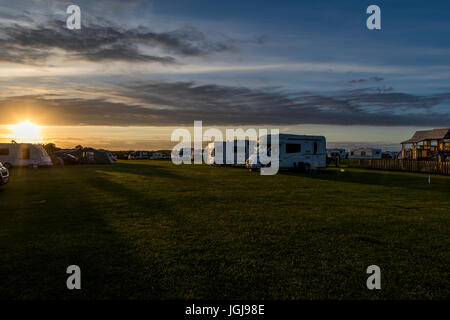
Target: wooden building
(428,145)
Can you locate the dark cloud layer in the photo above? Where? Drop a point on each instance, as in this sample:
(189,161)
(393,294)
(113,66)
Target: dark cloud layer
(375,79)
(180,103)
(102,41)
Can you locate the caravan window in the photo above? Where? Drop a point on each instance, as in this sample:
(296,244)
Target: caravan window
(26,153)
(293,148)
(4,152)
(315,147)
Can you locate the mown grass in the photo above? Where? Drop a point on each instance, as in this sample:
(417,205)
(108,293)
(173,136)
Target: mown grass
(152,230)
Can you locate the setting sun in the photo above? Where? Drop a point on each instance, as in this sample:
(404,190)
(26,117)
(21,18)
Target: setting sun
(26,132)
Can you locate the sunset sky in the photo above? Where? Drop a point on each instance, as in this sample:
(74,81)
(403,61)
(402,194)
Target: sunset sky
(139,69)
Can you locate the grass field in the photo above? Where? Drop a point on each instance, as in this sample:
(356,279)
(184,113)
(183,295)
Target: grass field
(152,230)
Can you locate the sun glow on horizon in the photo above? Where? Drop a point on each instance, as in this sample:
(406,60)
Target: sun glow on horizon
(26,132)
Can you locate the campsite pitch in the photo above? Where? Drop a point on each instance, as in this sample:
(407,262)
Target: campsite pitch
(153,230)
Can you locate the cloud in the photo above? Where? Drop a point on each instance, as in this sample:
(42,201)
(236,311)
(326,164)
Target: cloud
(155,103)
(103,41)
(375,79)
(384,98)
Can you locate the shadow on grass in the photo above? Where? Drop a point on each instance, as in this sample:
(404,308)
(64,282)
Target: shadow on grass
(40,242)
(191,262)
(136,200)
(378,178)
(132,243)
(148,170)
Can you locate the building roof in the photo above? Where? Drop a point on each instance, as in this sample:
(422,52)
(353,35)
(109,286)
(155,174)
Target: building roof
(434,134)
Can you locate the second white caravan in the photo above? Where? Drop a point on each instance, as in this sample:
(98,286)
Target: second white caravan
(217,153)
(24,155)
(295,151)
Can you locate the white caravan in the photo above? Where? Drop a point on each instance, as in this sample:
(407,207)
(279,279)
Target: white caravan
(365,153)
(24,155)
(239,148)
(295,151)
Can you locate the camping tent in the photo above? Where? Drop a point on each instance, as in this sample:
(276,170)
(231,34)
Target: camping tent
(88,155)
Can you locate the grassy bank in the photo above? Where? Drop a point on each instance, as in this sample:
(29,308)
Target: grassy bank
(152,230)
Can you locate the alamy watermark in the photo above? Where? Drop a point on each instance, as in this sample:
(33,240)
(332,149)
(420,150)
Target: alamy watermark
(73,21)
(374,281)
(255,148)
(374,20)
(74,280)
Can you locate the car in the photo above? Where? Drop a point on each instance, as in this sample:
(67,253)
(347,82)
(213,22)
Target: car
(4,175)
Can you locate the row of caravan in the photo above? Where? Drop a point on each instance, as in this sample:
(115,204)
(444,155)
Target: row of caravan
(295,151)
(361,153)
(34,155)
(147,155)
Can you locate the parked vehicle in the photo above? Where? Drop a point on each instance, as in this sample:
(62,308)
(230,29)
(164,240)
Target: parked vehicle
(157,156)
(4,175)
(139,155)
(165,156)
(182,155)
(365,153)
(197,153)
(217,152)
(337,153)
(295,151)
(24,155)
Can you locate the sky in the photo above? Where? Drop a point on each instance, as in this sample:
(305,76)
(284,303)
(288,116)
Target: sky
(137,70)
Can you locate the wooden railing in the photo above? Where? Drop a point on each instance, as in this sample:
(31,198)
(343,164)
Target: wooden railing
(402,165)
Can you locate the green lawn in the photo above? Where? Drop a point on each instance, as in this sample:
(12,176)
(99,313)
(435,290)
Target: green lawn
(153,230)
